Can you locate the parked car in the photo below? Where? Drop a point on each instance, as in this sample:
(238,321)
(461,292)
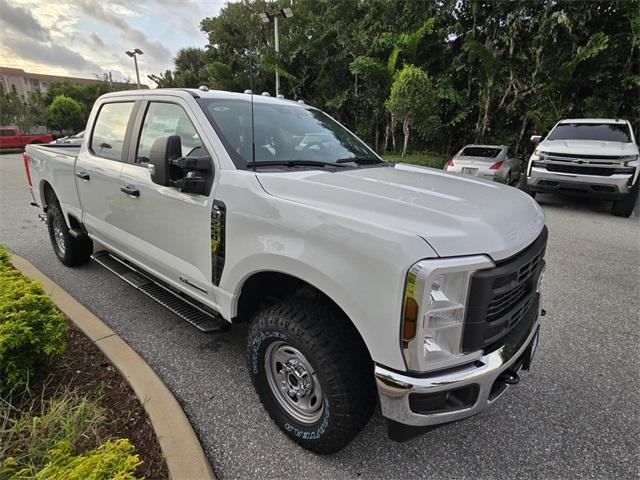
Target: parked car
(361,279)
(591,157)
(496,162)
(71,139)
(10,137)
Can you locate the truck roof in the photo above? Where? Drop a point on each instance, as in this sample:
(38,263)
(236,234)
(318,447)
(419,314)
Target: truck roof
(593,120)
(198,93)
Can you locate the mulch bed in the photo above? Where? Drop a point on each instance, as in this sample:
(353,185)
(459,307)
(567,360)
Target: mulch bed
(85,369)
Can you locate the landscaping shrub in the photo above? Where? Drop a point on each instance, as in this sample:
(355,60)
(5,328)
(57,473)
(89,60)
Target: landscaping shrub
(113,460)
(32,330)
(28,435)
(60,440)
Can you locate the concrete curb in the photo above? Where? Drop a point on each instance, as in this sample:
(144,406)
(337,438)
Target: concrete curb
(179,444)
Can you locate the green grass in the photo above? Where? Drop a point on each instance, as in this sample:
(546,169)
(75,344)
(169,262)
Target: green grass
(426,159)
(28,436)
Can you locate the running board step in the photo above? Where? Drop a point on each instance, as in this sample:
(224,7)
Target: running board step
(200,318)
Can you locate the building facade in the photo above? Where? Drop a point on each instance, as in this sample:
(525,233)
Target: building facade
(25,84)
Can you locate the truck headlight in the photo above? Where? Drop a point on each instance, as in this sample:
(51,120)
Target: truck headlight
(629,159)
(434,309)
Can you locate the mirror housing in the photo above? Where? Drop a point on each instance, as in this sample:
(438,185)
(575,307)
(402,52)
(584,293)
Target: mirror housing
(163,150)
(536,139)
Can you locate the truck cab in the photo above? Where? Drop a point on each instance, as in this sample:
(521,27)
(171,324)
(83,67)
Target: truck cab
(362,280)
(588,157)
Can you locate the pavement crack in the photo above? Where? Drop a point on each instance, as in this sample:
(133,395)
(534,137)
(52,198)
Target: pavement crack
(102,338)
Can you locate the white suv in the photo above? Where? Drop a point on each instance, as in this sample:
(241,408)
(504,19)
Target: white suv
(588,156)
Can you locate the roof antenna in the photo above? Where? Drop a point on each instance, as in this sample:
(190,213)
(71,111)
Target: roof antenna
(252,80)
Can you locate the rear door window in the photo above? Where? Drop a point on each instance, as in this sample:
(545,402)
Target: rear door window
(7,132)
(110,129)
(167,119)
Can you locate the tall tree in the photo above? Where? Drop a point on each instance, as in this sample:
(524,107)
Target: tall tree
(411,101)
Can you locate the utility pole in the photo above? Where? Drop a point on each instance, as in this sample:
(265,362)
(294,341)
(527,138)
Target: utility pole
(135,54)
(266,18)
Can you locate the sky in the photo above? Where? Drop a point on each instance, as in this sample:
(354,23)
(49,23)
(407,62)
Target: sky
(85,38)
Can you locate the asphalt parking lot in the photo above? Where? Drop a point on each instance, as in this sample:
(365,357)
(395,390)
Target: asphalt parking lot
(575,415)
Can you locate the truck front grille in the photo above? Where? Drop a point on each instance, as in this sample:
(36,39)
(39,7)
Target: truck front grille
(580,169)
(501,297)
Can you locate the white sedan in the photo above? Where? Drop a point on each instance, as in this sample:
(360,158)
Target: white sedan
(497,162)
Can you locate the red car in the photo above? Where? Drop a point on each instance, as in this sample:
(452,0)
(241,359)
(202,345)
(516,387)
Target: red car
(10,137)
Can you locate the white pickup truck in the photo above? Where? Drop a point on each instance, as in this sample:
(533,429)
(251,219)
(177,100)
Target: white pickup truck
(362,280)
(592,157)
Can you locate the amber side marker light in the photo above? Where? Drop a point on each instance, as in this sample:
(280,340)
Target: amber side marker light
(410,319)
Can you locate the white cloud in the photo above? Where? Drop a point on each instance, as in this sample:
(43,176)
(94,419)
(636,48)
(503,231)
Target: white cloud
(87,37)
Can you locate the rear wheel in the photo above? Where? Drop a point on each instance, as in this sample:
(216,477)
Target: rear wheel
(70,250)
(624,207)
(312,373)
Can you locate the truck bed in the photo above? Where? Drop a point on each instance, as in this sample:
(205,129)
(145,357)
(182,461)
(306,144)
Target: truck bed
(54,164)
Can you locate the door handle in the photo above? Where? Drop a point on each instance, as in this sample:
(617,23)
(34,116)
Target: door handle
(83,175)
(130,190)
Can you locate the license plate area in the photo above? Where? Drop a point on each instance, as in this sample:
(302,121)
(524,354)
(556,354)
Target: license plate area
(469,170)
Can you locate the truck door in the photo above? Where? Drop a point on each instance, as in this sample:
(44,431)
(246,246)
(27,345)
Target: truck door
(168,231)
(98,169)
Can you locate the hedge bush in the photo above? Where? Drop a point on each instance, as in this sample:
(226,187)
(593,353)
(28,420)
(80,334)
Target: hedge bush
(113,460)
(32,330)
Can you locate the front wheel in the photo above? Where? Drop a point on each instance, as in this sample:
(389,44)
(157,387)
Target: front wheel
(625,206)
(312,373)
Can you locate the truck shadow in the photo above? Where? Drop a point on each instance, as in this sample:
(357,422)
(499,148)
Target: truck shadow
(578,204)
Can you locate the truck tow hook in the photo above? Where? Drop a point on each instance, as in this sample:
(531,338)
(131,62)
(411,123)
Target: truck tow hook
(509,377)
(543,312)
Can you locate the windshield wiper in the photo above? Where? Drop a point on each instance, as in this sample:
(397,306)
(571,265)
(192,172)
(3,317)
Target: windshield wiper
(293,163)
(359,160)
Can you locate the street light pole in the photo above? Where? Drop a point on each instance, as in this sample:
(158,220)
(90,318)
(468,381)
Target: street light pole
(135,54)
(266,18)
(277,45)
(135,61)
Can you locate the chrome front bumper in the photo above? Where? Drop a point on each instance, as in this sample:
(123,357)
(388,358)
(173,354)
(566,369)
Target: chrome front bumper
(540,179)
(395,388)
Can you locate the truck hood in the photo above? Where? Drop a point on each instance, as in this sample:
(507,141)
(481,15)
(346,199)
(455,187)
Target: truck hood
(456,215)
(588,147)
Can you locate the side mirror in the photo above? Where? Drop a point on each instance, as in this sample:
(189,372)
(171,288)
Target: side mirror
(536,139)
(163,150)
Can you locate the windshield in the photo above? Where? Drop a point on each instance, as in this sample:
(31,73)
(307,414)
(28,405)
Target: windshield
(283,133)
(606,132)
(487,152)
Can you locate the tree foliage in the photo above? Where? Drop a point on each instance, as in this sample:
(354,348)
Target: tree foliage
(65,113)
(412,100)
(501,69)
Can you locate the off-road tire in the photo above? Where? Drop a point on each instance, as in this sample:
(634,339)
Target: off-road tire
(76,250)
(625,206)
(333,348)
